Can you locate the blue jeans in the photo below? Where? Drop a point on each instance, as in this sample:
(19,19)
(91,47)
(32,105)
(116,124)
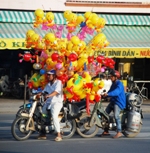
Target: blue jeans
(116,110)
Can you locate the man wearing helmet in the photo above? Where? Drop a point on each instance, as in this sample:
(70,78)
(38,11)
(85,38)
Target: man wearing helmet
(117,101)
(54,101)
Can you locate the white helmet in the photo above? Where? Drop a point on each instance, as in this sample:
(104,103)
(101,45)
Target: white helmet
(134,99)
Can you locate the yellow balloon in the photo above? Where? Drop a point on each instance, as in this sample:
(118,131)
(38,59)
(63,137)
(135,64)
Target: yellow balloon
(92,95)
(101,84)
(87,14)
(75,40)
(50,16)
(81,93)
(43,81)
(29,33)
(35,80)
(50,37)
(70,82)
(67,13)
(94,20)
(50,63)
(87,77)
(72,17)
(69,45)
(35,37)
(39,13)
(79,19)
(96,85)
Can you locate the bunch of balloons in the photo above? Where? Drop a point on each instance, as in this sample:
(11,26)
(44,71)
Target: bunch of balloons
(43,19)
(71,57)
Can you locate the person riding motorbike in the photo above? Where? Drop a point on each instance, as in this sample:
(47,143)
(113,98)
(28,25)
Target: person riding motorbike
(54,102)
(117,101)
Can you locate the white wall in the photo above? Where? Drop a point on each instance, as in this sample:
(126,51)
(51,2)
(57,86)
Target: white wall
(58,5)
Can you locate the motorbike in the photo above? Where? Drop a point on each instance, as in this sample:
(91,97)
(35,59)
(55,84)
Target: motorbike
(13,88)
(30,119)
(131,119)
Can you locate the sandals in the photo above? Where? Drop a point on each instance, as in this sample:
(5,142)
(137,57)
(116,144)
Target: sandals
(58,139)
(104,134)
(118,135)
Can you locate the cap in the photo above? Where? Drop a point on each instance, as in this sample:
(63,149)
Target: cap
(51,72)
(115,73)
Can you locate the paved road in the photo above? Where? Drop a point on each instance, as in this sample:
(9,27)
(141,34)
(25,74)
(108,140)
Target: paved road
(12,105)
(76,144)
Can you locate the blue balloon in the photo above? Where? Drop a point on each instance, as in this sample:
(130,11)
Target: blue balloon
(82,24)
(42,71)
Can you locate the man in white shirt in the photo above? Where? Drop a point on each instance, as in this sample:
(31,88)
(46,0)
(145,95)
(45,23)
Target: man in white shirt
(107,83)
(54,102)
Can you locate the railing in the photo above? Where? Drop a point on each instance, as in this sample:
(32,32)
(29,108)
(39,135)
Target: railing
(142,91)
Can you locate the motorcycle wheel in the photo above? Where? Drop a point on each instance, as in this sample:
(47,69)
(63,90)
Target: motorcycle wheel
(84,130)
(18,129)
(22,110)
(129,134)
(68,128)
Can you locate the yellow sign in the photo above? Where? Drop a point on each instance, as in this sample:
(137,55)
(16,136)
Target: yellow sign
(125,52)
(19,43)
(14,43)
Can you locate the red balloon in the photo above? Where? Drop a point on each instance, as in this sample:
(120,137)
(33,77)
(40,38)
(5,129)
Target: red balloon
(73,57)
(97,98)
(54,56)
(90,59)
(60,59)
(63,78)
(100,58)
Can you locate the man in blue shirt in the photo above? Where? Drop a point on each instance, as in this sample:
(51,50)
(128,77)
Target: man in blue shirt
(117,101)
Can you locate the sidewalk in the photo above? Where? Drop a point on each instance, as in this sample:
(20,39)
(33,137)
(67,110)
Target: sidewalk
(12,105)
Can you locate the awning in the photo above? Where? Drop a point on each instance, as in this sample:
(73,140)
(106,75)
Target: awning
(118,36)
(128,32)
(111,19)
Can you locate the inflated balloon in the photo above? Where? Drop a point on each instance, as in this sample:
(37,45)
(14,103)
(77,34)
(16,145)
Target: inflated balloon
(100,58)
(80,19)
(50,37)
(35,80)
(42,71)
(87,15)
(75,40)
(54,56)
(73,57)
(59,66)
(67,14)
(50,19)
(50,63)
(94,19)
(63,78)
(90,59)
(60,72)
(27,57)
(97,97)
(39,13)
(43,81)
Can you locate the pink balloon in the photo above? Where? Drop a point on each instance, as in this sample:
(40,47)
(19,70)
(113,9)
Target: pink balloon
(102,69)
(44,55)
(69,35)
(58,66)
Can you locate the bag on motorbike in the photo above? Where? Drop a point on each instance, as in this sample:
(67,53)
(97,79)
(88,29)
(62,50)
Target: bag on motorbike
(73,110)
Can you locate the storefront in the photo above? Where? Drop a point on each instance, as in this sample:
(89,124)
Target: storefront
(129,37)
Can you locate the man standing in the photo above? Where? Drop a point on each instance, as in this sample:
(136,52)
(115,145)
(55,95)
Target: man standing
(117,101)
(54,102)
